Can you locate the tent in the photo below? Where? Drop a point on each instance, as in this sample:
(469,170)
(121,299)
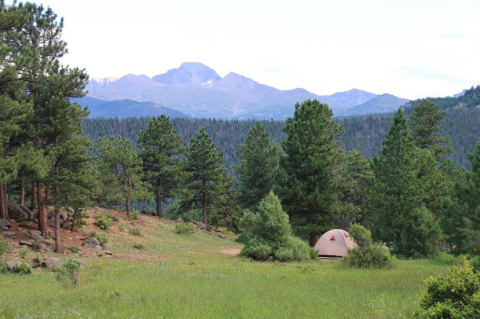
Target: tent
(335,243)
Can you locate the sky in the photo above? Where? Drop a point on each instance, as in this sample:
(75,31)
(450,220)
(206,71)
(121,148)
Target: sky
(411,49)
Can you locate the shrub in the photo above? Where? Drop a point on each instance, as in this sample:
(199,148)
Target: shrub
(36,246)
(4,248)
(102,239)
(270,234)
(457,295)
(134,213)
(24,223)
(68,273)
(185,229)
(75,249)
(23,252)
(23,268)
(138,246)
(121,227)
(92,234)
(368,254)
(135,232)
(104,222)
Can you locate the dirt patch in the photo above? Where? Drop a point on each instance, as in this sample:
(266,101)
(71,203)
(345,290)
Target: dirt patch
(231,251)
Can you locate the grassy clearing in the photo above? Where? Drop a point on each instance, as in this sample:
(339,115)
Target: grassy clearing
(194,280)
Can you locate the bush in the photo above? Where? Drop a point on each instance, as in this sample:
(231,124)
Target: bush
(23,268)
(75,249)
(102,239)
(138,246)
(36,246)
(270,234)
(135,232)
(104,222)
(23,252)
(185,229)
(4,248)
(368,254)
(134,213)
(457,295)
(121,227)
(68,273)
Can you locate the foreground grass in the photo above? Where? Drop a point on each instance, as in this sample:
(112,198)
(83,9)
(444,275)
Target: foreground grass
(217,286)
(192,279)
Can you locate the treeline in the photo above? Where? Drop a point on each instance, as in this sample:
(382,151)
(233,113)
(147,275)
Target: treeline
(363,133)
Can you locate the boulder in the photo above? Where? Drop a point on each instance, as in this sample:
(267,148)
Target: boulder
(36,232)
(52,263)
(200,225)
(13,264)
(108,252)
(28,214)
(51,223)
(5,223)
(14,211)
(222,236)
(35,262)
(10,234)
(179,220)
(36,237)
(91,243)
(26,242)
(49,242)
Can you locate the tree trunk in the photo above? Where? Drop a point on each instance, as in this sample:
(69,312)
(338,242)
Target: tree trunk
(313,239)
(22,193)
(204,209)
(34,197)
(127,206)
(3,202)
(159,205)
(47,195)
(42,212)
(58,239)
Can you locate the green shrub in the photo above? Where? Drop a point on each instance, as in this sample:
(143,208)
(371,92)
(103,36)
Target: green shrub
(75,249)
(138,246)
(270,234)
(36,246)
(121,227)
(102,239)
(92,234)
(104,222)
(185,229)
(23,269)
(134,213)
(68,273)
(368,254)
(24,223)
(457,295)
(4,248)
(135,232)
(23,252)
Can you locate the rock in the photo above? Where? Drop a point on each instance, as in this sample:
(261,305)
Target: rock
(67,225)
(210,228)
(35,213)
(28,214)
(222,236)
(83,238)
(179,220)
(36,237)
(10,234)
(108,252)
(35,262)
(14,211)
(200,225)
(26,242)
(35,220)
(13,264)
(218,230)
(5,223)
(15,244)
(91,243)
(49,242)
(3,228)
(51,223)
(52,263)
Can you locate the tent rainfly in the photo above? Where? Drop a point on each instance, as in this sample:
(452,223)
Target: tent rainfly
(335,243)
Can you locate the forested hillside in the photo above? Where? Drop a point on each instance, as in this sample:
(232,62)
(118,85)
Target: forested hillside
(364,133)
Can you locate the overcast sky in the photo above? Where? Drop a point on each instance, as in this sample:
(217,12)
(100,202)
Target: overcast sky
(408,48)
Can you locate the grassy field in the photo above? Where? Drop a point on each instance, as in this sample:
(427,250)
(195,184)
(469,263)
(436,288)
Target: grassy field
(194,279)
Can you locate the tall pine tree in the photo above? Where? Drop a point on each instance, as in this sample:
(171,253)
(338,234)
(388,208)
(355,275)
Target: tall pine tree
(161,149)
(306,183)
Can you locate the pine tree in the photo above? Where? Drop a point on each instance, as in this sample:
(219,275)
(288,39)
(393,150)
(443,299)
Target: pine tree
(426,123)
(206,174)
(306,183)
(121,158)
(396,198)
(259,160)
(161,149)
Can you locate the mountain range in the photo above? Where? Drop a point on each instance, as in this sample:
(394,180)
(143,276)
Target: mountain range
(195,90)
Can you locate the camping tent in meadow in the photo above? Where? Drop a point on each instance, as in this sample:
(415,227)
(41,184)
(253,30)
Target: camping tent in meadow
(335,243)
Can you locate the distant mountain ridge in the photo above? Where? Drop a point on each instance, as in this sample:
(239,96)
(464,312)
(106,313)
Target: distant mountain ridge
(196,90)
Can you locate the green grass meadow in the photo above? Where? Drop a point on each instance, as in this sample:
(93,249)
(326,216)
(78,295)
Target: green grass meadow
(194,280)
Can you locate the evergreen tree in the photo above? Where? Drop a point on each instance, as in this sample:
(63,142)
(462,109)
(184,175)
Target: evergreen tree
(161,149)
(259,160)
(426,124)
(121,158)
(306,183)
(396,198)
(206,174)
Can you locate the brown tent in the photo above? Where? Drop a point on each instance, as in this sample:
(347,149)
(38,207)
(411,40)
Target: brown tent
(335,243)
